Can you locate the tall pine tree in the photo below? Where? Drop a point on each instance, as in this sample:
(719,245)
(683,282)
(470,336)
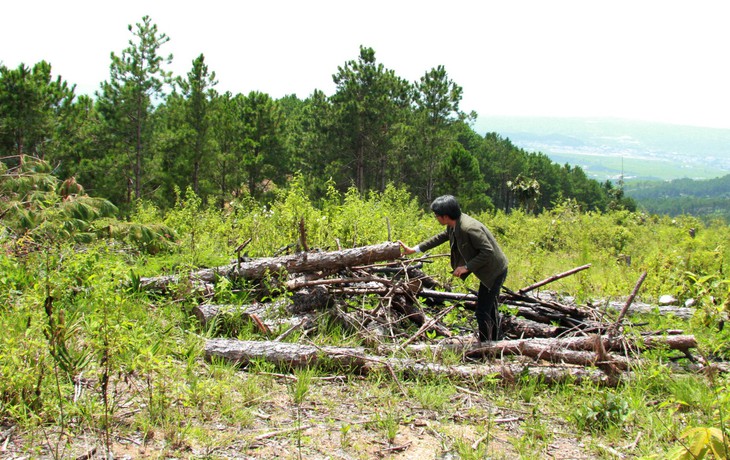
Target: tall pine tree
(127,102)
(368,103)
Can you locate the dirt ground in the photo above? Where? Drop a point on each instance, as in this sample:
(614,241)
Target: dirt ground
(335,422)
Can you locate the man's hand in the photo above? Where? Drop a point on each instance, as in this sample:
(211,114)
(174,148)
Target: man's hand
(461,271)
(406,250)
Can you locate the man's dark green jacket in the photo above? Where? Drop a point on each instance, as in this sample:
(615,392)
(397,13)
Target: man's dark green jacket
(473,245)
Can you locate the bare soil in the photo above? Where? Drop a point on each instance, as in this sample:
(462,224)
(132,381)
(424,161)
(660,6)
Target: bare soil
(340,419)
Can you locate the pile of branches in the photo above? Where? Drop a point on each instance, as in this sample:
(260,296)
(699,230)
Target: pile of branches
(405,331)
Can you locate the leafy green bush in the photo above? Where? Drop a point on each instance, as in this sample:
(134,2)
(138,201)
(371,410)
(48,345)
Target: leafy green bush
(605,410)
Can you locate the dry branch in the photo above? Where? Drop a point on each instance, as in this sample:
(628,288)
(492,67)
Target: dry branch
(416,314)
(427,325)
(615,328)
(289,312)
(553,278)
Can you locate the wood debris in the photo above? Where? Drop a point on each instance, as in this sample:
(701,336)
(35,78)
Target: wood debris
(404,321)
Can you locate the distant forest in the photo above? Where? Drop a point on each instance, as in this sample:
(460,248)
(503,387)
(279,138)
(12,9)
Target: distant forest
(150,135)
(705,198)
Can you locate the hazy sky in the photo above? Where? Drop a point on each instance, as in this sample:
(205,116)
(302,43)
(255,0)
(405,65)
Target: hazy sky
(665,61)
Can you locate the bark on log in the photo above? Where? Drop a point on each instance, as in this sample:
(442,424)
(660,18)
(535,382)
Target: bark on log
(208,312)
(554,354)
(295,263)
(290,355)
(507,372)
(303,301)
(522,328)
(623,345)
(447,295)
(644,308)
(537,349)
(265,314)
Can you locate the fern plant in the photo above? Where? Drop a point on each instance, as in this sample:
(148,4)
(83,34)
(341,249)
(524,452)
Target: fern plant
(37,209)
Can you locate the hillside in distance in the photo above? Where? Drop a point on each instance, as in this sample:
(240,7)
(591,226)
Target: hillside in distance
(606,148)
(705,198)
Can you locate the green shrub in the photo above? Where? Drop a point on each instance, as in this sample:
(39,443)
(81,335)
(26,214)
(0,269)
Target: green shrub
(598,414)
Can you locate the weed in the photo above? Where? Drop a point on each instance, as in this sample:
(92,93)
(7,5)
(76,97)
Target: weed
(433,395)
(345,435)
(692,393)
(388,422)
(467,451)
(602,412)
(298,389)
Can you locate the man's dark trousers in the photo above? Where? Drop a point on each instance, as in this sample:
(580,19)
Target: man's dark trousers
(487,313)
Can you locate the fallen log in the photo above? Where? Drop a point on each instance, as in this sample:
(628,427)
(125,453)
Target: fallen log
(299,283)
(442,295)
(512,298)
(522,328)
(207,313)
(303,262)
(537,349)
(533,347)
(287,355)
(645,308)
(538,313)
(290,355)
(507,372)
(569,310)
(265,317)
(550,354)
(302,301)
(410,272)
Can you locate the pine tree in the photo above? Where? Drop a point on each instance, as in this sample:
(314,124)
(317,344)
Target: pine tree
(127,102)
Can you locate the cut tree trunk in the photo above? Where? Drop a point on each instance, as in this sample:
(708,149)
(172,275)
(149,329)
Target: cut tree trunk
(523,328)
(550,350)
(206,313)
(534,347)
(664,310)
(303,262)
(289,355)
(303,301)
(508,372)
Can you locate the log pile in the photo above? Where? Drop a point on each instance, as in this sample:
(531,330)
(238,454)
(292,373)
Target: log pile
(404,325)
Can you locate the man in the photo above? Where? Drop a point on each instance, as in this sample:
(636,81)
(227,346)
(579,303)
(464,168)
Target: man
(473,250)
